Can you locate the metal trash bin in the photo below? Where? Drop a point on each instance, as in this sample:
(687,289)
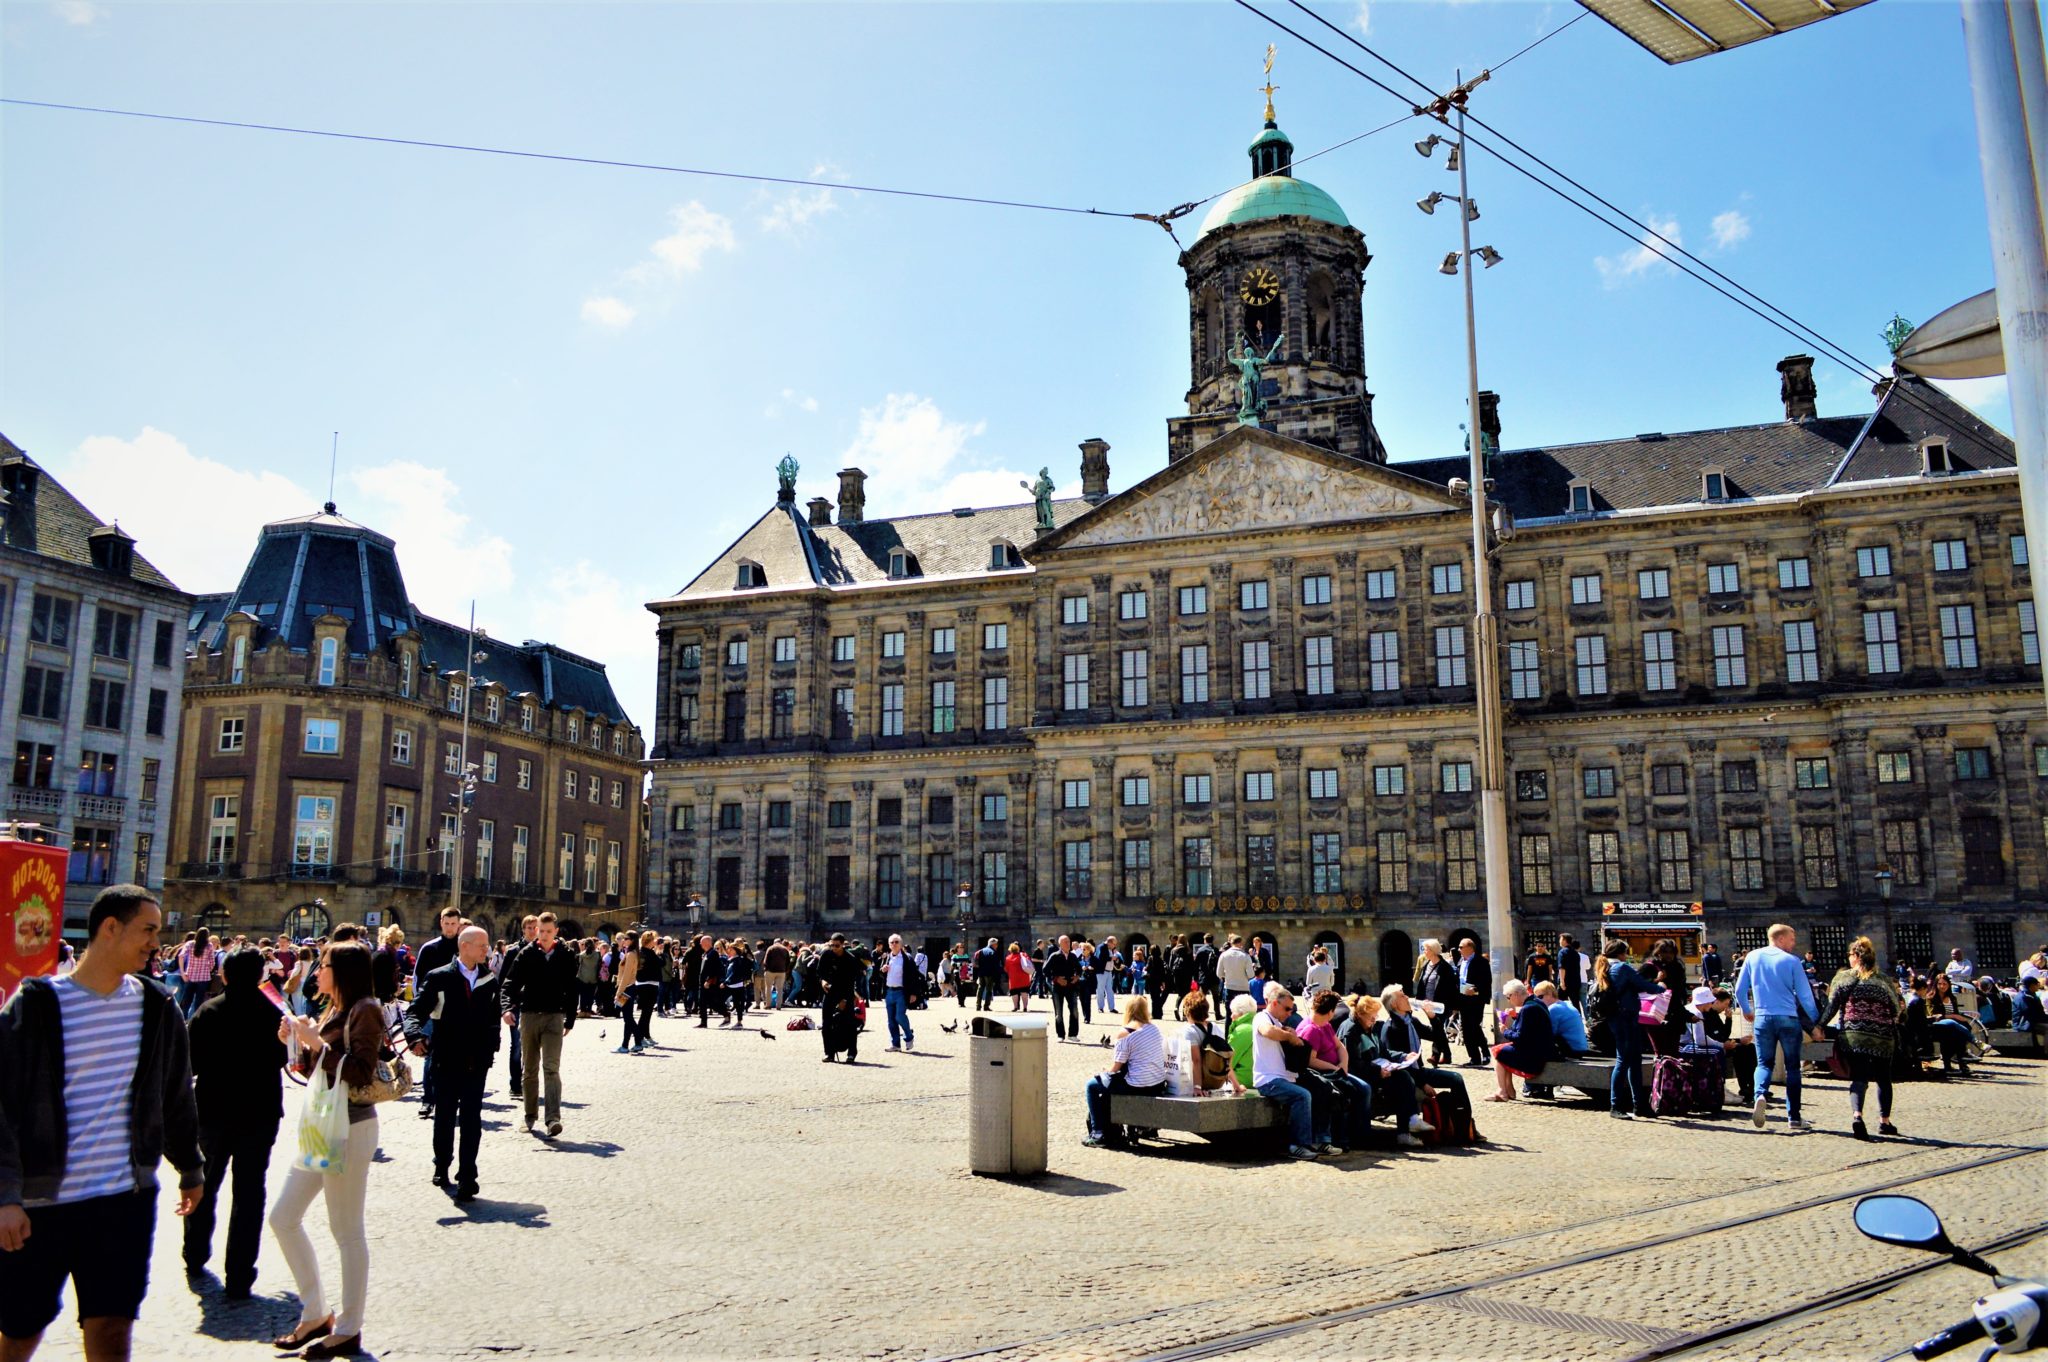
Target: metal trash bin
(1006,1095)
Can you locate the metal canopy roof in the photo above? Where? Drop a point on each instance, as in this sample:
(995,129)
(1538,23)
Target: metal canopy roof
(1680,30)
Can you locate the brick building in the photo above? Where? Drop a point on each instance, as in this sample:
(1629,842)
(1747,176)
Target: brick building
(1746,667)
(323,746)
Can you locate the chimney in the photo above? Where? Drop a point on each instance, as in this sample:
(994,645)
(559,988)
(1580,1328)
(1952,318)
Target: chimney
(1795,387)
(853,497)
(821,511)
(1094,470)
(18,479)
(1489,421)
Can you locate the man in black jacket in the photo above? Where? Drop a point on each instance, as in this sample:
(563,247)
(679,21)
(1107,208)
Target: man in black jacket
(1475,990)
(540,1002)
(988,975)
(1063,981)
(1571,969)
(95,1090)
(431,957)
(515,1070)
(237,1060)
(460,999)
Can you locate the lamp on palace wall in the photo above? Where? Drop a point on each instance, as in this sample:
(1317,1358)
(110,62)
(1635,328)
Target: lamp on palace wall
(1884,896)
(963,910)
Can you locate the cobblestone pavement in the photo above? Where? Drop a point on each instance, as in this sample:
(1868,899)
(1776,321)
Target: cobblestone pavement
(729,1196)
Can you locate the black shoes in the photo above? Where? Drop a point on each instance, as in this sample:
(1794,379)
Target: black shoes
(426,1111)
(466,1191)
(440,1177)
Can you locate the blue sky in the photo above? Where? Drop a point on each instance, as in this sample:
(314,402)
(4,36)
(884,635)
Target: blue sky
(564,388)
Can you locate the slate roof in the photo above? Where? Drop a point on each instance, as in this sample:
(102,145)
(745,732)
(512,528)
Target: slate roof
(64,525)
(1778,458)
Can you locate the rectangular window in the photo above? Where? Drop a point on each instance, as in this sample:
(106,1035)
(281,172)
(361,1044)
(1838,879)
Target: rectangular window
(525,774)
(995,878)
(490,771)
(1802,651)
(892,643)
(1745,859)
(1738,777)
(1322,782)
(2030,638)
(1958,636)
(1660,669)
(98,772)
(995,703)
(486,846)
(995,637)
(1391,862)
(1258,671)
(1077,880)
(1994,942)
(1900,842)
(1654,584)
(395,819)
(1194,674)
(944,642)
(1951,555)
(42,693)
(725,887)
(1135,668)
(686,717)
(493,707)
(1073,794)
(1074,681)
(1881,641)
(1895,768)
(782,712)
(1261,863)
(1812,773)
(1586,589)
(458,698)
(1389,780)
(313,832)
(1379,584)
(1604,861)
(1073,610)
(843,647)
(1315,590)
(49,621)
(892,711)
(1197,867)
(1731,659)
(1319,664)
(323,736)
(735,715)
(223,827)
(1194,600)
(785,648)
(1589,653)
(1667,778)
(92,856)
(889,881)
(233,733)
(690,656)
(842,711)
(35,765)
(1455,777)
(451,762)
(156,714)
(838,813)
(944,714)
(1325,863)
(995,808)
(1983,851)
(1258,787)
(1597,782)
(731,817)
(1794,574)
(1450,655)
(1674,861)
(1195,791)
(939,882)
(2016,545)
(1137,791)
(1973,763)
(1383,660)
(1461,860)
(1875,561)
(1535,862)
(106,703)
(112,633)
(1132,605)
(1136,867)
(1532,786)
(1446,579)
(1251,595)
(1521,594)
(1818,866)
(526,718)
(779,813)
(565,862)
(1723,579)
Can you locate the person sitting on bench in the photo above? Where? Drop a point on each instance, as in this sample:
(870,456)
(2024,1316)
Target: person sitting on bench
(1137,1066)
(1401,1042)
(1527,1047)
(1392,1087)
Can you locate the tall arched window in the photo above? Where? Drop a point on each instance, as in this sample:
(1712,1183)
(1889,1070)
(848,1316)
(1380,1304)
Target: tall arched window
(1321,339)
(330,656)
(238,671)
(306,921)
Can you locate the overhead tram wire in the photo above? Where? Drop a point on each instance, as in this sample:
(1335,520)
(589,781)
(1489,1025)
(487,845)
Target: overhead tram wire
(1542,40)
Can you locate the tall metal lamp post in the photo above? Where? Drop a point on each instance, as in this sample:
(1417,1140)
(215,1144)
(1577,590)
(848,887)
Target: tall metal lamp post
(1884,895)
(963,911)
(465,792)
(1493,809)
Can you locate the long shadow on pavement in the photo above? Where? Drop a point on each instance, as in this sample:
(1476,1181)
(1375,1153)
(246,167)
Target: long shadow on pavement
(1064,1184)
(525,1214)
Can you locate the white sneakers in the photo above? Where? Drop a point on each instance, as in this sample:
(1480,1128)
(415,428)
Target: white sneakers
(1756,1113)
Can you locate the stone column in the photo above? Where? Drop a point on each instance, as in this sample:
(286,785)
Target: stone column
(1229,868)
(1349,593)
(1631,783)
(1418,665)
(1165,795)
(1709,852)
(1782,875)
(967,676)
(867,700)
(1287,676)
(1165,661)
(1425,847)
(917,691)
(754,813)
(1023,873)
(1291,864)
(1045,851)
(1357,793)
(1567,836)
(2022,822)
(913,849)
(860,878)
(1104,681)
(1102,811)
(967,832)
(1223,681)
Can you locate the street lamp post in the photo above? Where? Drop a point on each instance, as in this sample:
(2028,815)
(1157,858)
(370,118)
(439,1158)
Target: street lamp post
(964,911)
(465,790)
(1884,895)
(1493,814)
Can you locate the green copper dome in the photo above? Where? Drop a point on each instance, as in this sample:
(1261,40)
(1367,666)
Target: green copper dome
(1272,196)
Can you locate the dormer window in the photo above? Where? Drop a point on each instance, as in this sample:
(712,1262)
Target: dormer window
(1934,458)
(238,667)
(330,660)
(752,575)
(1581,498)
(1713,485)
(1003,554)
(902,563)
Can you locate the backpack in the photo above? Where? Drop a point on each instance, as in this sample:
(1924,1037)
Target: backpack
(1449,1109)
(799,1024)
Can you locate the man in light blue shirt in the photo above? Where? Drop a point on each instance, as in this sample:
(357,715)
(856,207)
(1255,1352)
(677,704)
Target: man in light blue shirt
(1772,991)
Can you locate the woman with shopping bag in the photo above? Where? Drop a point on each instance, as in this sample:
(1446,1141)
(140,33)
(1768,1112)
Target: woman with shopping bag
(337,1139)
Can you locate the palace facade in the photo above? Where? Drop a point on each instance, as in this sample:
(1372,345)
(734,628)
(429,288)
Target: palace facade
(1747,668)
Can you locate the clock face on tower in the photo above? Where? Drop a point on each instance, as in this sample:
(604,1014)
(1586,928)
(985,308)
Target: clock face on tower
(1260,286)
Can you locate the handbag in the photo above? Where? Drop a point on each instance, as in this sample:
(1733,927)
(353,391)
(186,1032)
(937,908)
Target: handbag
(1653,1008)
(391,1081)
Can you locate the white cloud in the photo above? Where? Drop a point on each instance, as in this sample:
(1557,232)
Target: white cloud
(789,399)
(1731,229)
(698,232)
(919,460)
(1361,18)
(1988,397)
(446,564)
(1630,265)
(589,611)
(80,13)
(606,310)
(790,213)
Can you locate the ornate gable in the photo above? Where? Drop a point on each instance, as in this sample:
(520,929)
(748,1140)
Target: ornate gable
(1253,480)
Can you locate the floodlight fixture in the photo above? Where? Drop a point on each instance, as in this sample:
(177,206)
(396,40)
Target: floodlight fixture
(1428,202)
(1427,145)
(1450,265)
(1488,256)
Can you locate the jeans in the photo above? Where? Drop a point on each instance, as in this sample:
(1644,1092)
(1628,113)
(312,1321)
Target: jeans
(1295,1098)
(1952,1037)
(898,1003)
(1105,993)
(1863,1071)
(243,1155)
(343,1192)
(1354,1103)
(1100,1089)
(1775,1036)
(540,1035)
(1066,1009)
(512,1068)
(985,988)
(1625,1089)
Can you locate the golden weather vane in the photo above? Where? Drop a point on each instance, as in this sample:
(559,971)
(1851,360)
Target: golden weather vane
(1269,87)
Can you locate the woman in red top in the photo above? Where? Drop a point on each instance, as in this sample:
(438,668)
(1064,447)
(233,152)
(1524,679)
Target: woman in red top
(1018,974)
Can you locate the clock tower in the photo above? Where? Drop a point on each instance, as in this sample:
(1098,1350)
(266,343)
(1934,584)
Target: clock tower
(1276,262)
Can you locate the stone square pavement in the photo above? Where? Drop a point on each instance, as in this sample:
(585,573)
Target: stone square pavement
(727,1195)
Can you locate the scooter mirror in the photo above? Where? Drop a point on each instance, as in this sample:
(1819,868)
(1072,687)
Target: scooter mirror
(1902,1220)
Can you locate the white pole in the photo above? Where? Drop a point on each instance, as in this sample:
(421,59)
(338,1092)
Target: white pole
(1493,807)
(462,766)
(2003,42)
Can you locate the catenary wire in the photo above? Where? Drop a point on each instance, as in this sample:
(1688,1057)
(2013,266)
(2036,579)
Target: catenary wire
(1542,40)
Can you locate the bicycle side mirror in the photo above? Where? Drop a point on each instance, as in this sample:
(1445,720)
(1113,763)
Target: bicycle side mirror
(1911,1223)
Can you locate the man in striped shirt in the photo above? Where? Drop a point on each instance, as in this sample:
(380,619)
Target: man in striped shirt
(95,1089)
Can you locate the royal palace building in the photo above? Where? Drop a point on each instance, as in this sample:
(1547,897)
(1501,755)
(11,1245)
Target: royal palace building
(1781,671)
(324,750)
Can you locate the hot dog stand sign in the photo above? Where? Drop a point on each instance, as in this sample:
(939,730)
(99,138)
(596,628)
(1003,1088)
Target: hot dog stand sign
(31,911)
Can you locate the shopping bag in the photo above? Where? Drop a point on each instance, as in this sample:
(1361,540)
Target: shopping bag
(323,1124)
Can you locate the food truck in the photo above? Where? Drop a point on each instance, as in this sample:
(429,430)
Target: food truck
(1642,924)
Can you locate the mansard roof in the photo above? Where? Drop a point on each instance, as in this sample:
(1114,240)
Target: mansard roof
(64,525)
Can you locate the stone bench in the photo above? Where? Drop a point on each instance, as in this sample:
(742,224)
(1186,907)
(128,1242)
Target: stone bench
(1593,1074)
(1204,1116)
(2009,1042)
